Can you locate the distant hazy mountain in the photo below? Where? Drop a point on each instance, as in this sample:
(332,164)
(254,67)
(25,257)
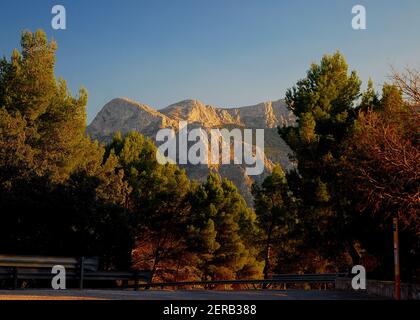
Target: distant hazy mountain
(125,115)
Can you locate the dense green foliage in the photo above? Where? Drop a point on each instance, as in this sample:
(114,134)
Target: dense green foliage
(222,231)
(276,209)
(58,195)
(324,103)
(63,194)
(357,168)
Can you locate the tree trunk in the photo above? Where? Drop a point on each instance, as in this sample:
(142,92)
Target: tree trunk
(267,255)
(355,257)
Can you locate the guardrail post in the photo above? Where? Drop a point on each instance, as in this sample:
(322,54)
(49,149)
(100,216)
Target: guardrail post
(136,281)
(82,272)
(397,289)
(15,278)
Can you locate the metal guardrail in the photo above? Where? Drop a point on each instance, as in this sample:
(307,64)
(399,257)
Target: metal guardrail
(315,277)
(86,269)
(276,279)
(80,269)
(90,264)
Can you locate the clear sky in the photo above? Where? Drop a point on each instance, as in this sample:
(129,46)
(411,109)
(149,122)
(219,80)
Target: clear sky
(222,52)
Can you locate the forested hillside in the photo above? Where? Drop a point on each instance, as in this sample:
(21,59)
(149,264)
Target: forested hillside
(357,155)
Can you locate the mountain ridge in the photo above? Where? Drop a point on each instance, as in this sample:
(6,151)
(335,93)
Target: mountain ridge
(264,115)
(125,115)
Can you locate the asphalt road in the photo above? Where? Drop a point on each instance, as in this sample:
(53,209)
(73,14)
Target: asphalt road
(182,295)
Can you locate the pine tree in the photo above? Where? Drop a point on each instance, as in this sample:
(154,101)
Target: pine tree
(56,191)
(370,99)
(222,228)
(324,102)
(276,210)
(157,203)
(55,121)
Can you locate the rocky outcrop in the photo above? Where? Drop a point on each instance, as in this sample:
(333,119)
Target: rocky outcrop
(263,115)
(124,115)
(196,111)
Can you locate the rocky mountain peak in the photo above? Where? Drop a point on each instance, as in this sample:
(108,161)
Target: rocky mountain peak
(125,115)
(269,114)
(196,111)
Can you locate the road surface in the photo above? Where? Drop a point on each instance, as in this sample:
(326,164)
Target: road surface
(182,295)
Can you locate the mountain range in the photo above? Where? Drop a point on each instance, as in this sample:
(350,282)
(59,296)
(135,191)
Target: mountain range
(125,115)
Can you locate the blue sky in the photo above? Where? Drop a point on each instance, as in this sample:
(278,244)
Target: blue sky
(222,52)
